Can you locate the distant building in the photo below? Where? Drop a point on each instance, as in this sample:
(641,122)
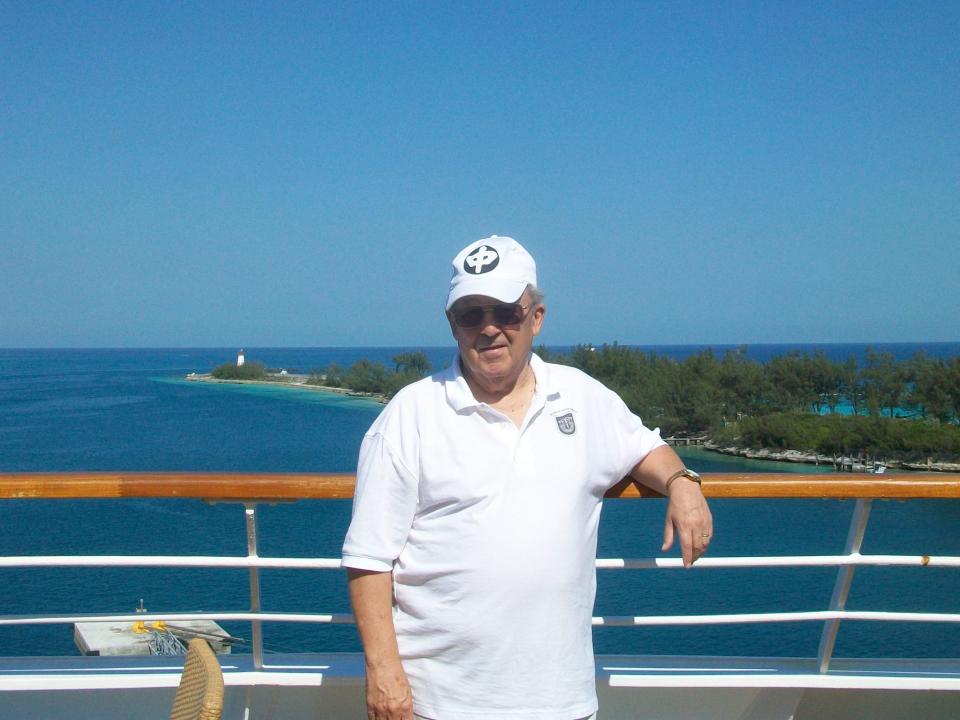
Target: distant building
(240,358)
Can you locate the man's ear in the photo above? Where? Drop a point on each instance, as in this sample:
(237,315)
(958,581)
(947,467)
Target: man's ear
(538,314)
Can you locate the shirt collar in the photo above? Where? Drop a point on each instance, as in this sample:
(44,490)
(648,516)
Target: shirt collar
(460,397)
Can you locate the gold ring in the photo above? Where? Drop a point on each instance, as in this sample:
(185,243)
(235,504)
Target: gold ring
(705,535)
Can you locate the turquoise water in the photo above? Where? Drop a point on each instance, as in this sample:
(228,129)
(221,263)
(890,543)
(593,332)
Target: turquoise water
(63,410)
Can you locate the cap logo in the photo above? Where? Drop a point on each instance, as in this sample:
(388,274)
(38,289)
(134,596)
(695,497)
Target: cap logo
(482,260)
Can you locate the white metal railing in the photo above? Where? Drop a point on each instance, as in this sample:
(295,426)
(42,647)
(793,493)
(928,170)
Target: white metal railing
(831,617)
(299,563)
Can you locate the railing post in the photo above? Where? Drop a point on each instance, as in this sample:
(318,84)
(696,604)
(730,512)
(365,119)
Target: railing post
(841,588)
(250,510)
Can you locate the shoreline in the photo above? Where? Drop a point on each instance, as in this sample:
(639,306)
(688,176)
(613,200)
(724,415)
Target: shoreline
(838,462)
(294,381)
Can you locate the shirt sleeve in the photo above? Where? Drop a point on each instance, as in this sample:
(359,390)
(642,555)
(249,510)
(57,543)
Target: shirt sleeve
(384,504)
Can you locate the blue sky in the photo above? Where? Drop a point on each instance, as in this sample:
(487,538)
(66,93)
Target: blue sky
(268,174)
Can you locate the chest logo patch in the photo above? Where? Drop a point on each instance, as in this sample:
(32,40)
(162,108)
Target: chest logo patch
(482,260)
(566,423)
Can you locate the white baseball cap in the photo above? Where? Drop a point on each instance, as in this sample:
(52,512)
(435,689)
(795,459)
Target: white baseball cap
(498,267)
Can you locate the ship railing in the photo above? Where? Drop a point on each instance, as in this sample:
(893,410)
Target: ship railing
(251,489)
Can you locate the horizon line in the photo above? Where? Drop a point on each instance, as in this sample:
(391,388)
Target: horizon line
(452,346)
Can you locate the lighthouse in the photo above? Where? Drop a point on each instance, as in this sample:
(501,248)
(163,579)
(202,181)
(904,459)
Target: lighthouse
(240,358)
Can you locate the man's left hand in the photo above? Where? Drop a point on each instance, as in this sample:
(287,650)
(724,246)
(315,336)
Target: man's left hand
(688,518)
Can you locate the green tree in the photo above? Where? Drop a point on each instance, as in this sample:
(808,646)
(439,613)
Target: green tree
(247,371)
(412,363)
(923,396)
(410,367)
(824,377)
(850,385)
(366,376)
(696,396)
(794,383)
(951,387)
(741,384)
(937,388)
(885,381)
(331,376)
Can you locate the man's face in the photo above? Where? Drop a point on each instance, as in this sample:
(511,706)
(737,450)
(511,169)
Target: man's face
(495,352)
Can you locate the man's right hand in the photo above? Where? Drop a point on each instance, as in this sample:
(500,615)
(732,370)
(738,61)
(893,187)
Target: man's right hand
(388,693)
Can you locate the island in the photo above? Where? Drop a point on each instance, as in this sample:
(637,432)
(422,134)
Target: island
(860,416)
(857,415)
(362,379)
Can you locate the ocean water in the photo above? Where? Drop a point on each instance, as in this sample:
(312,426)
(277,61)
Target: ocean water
(66,410)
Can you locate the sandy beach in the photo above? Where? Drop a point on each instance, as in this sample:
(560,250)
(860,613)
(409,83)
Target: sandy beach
(292,380)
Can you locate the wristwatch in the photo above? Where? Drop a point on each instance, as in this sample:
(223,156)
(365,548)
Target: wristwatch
(683,472)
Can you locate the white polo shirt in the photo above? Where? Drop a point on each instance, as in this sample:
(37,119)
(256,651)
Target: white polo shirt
(491,534)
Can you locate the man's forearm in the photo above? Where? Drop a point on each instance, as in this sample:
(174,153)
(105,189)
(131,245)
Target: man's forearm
(371,594)
(656,467)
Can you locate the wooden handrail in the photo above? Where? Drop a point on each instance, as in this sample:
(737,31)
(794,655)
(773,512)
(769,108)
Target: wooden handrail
(296,486)
(211,486)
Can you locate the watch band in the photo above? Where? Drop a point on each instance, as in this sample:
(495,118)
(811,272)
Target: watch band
(683,472)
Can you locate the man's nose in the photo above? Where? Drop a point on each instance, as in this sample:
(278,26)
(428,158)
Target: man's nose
(489,326)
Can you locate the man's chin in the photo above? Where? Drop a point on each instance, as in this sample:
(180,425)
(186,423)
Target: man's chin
(493,362)
(491,371)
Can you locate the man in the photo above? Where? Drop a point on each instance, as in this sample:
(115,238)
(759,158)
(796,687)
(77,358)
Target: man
(471,549)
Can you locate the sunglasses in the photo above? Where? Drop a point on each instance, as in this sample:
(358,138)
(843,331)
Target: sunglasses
(502,314)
